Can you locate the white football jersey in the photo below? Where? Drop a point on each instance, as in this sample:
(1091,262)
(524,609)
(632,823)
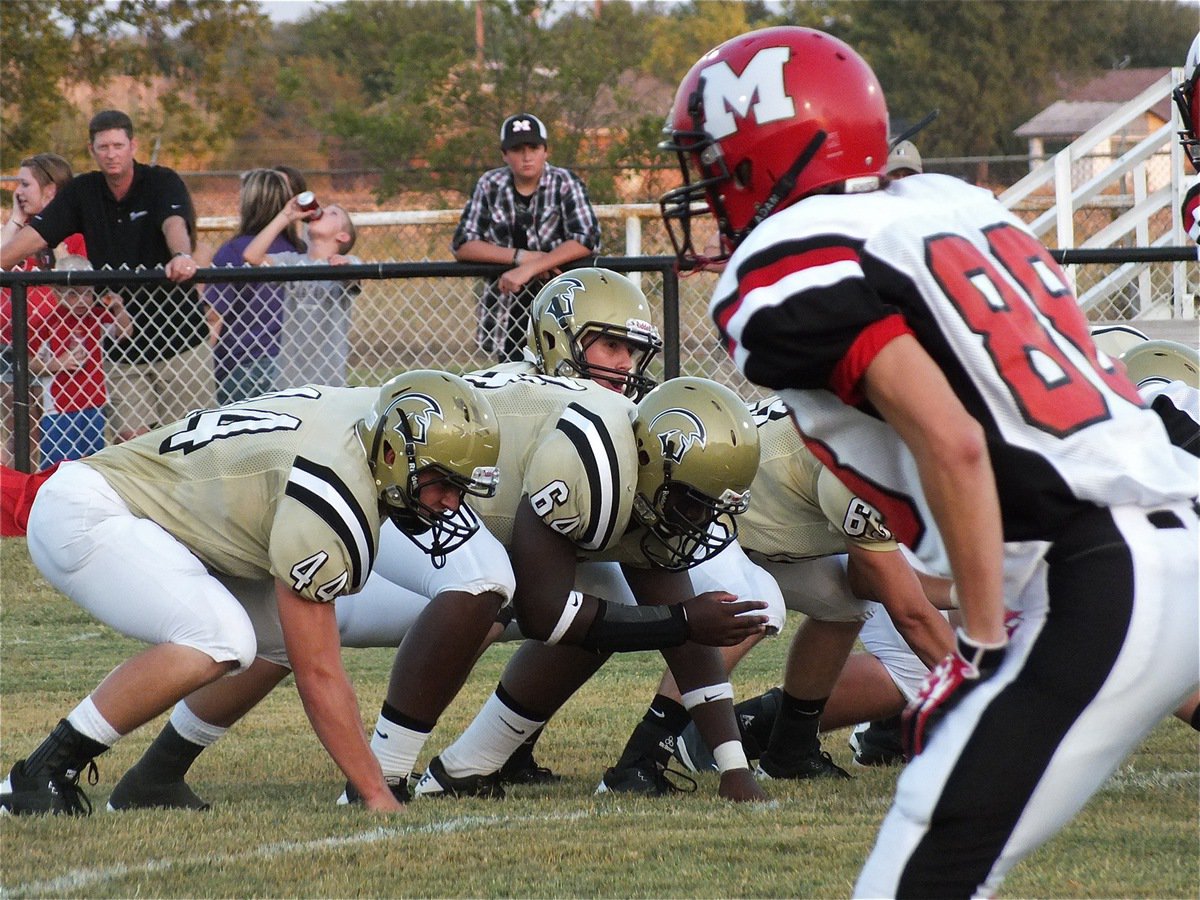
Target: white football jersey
(817,288)
(275,486)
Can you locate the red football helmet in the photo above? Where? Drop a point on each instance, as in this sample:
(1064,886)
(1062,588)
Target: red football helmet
(1189,105)
(766,119)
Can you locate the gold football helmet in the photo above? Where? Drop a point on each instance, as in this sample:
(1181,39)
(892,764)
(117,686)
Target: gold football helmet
(697,454)
(1152,362)
(431,421)
(578,306)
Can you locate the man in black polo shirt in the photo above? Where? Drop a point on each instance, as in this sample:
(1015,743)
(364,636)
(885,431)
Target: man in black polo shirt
(136,216)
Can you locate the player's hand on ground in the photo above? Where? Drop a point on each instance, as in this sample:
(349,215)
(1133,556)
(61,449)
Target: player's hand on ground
(719,619)
(740,786)
(965,668)
(385,802)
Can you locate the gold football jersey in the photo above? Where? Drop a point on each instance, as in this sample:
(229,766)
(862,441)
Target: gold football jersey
(274,486)
(798,508)
(568,444)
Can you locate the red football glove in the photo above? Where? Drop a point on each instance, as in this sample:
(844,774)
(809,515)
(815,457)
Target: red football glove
(944,687)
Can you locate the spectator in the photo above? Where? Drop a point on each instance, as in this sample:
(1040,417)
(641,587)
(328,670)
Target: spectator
(251,312)
(904,160)
(529,215)
(65,347)
(136,216)
(39,180)
(315,339)
(297,184)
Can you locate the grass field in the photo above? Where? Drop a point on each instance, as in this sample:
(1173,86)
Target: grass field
(274,830)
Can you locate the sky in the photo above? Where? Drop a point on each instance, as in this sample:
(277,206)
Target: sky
(291,10)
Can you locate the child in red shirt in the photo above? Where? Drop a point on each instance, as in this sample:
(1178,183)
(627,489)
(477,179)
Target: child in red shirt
(65,346)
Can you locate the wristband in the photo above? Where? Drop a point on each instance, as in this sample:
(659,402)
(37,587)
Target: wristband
(730,755)
(182,253)
(986,658)
(517,257)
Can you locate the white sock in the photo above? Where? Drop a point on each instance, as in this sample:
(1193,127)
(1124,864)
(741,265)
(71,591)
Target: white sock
(396,747)
(86,719)
(491,738)
(192,728)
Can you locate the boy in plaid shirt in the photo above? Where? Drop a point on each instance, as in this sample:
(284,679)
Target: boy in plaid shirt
(531,216)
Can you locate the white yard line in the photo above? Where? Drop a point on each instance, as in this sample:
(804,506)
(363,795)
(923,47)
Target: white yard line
(73,882)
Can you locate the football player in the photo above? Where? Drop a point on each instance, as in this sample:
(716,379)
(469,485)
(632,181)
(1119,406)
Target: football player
(590,322)
(1189,137)
(933,355)
(696,452)
(570,449)
(229,535)
(799,528)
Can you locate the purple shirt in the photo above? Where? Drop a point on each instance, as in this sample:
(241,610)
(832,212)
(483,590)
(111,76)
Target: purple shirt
(252,313)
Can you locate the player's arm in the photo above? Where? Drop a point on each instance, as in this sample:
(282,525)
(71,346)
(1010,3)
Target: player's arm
(550,610)
(886,577)
(950,451)
(956,475)
(310,635)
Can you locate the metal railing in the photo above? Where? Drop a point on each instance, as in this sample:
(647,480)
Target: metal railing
(423,315)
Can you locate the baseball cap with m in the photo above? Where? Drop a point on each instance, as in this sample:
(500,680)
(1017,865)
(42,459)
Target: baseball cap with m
(523,128)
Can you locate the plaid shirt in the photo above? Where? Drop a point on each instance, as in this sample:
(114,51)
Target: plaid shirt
(559,211)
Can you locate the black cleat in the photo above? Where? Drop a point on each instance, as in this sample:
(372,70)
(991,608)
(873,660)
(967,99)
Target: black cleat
(645,777)
(878,744)
(522,768)
(815,764)
(132,792)
(436,782)
(25,793)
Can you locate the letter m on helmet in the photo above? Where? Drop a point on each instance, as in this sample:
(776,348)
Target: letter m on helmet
(760,84)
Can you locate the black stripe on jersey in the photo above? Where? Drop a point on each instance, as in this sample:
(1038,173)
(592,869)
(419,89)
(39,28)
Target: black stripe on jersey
(602,473)
(798,342)
(339,510)
(773,254)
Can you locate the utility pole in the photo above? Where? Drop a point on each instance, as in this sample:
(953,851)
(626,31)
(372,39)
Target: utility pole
(479,33)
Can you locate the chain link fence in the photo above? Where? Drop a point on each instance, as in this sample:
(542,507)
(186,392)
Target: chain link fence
(259,329)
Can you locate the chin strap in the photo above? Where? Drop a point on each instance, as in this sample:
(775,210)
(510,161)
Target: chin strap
(787,182)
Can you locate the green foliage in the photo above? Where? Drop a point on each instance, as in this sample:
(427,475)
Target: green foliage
(200,48)
(401,86)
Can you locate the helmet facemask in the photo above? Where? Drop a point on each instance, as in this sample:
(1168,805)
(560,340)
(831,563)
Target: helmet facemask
(635,383)
(1189,109)
(684,526)
(698,147)
(437,532)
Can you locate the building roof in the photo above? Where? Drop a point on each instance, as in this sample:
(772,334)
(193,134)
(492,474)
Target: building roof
(1088,102)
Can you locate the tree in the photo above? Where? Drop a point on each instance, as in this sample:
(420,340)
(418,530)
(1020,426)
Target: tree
(198,48)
